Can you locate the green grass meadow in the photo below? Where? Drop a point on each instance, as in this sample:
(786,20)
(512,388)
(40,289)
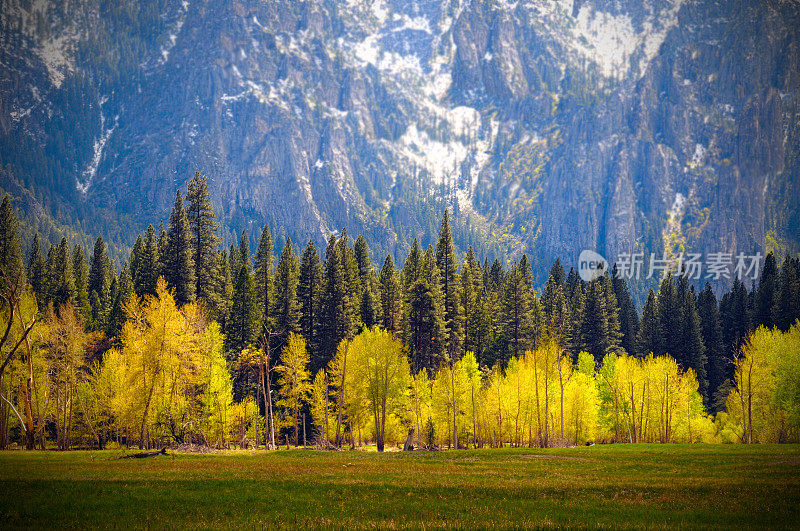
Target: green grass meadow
(628,486)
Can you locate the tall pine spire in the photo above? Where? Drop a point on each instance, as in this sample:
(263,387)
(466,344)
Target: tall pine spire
(178,260)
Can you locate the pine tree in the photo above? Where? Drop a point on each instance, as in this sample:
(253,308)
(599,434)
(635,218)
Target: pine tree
(411,267)
(81,273)
(12,269)
(135,259)
(735,322)
(577,300)
(391,293)
(242,326)
(244,250)
(287,306)
(690,352)
(711,333)
(263,277)
(148,269)
(448,278)
(424,326)
(669,316)
(309,293)
(650,339)
(628,317)
(203,227)
(178,261)
(472,302)
(62,283)
(554,302)
(600,329)
(766,294)
(37,272)
(122,295)
(99,287)
(516,312)
(787,303)
(334,324)
(369,303)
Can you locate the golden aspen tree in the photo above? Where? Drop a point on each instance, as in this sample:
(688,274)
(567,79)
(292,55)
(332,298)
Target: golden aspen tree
(293,380)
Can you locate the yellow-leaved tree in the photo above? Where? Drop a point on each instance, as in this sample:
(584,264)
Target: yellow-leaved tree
(293,381)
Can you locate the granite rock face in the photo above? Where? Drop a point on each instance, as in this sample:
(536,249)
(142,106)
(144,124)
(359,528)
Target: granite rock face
(550,126)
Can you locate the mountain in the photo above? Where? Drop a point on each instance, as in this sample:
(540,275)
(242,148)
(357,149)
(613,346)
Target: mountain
(548,126)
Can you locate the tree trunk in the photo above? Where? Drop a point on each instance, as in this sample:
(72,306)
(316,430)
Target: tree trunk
(341,396)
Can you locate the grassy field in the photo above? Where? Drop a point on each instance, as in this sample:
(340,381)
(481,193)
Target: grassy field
(599,486)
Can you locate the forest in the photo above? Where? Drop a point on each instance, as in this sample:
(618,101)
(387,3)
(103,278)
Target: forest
(188,343)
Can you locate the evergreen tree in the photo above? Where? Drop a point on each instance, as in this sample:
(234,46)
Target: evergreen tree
(336,320)
(690,352)
(12,269)
(135,259)
(369,303)
(37,272)
(81,273)
(628,318)
(554,303)
(600,329)
(62,283)
(178,261)
(787,303)
(424,326)
(244,250)
(448,278)
(516,311)
(735,322)
(162,251)
(766,294)
(712,340)
(472,303)
(148,269)
(242,326)
(287,307)
(309,293)
(669,316)
(122,294)
(650,339)
(577,302)
(100,275)
(411,267)
(263,276)
(391,293)
(203,227)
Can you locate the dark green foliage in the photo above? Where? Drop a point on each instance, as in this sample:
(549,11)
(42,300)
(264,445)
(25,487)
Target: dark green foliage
(600,327)
(448,278)
(690,351)
(203,228)
(517,316)
(424,326)
(81,273)
(263,276)
(12,269)
(62,283)
(122,294)
(766,294)
(309,293)
(100,274)
(339,319)
(147,269)
(391,295)
(472,301)
(242,326)
(37,272)
(787,303)
(287,306)
(628,317)
(650,339)
(711,333)
(734,317)
(178,260)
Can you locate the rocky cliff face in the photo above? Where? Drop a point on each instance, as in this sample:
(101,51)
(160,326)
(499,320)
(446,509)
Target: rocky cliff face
(551,126)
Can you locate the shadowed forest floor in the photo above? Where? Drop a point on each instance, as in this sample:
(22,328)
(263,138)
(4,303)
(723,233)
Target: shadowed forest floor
(709,486)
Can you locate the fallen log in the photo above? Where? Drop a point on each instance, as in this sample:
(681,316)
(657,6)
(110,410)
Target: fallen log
(141,455)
